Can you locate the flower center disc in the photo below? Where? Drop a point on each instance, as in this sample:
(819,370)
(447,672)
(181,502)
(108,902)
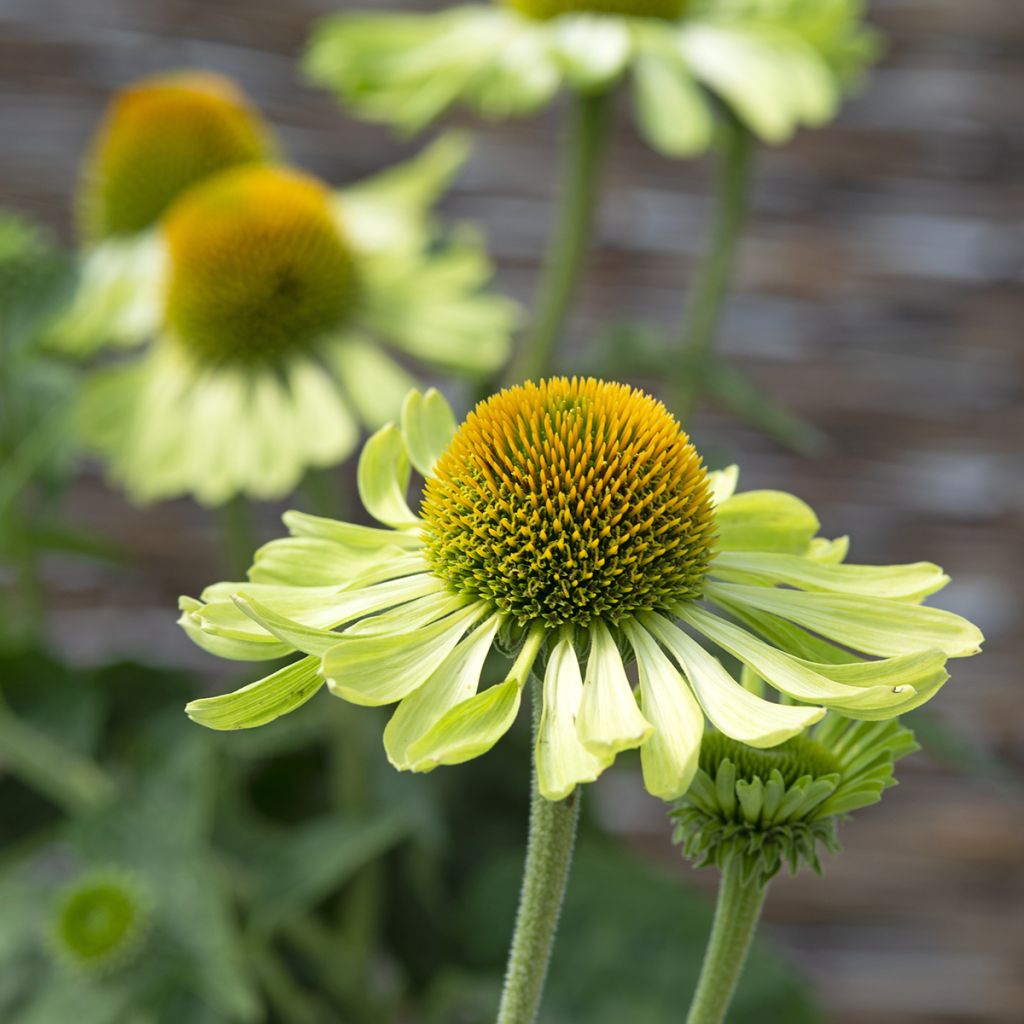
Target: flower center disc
(541,10)
(160,137)
(570,500)
(259,266)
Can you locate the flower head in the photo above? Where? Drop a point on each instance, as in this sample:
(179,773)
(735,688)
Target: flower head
(101,920)
(572,524)
(772,808)
(263,296)
(258,266)
(161,136)
(567,502)
(776,65)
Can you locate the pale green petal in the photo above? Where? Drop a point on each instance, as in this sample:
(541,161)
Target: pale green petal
(669,759)
(435,305)
(732,709)
(469,729)
(456,680)
(722,483)
(327,428)
(765,521)
(277,447)
(314,562)
(591,49)
(391,209)
(383,478)
(609,719)
(829,552)
(562,761)
(428,426)
(872,625)
(299,619)
(265,648)
(473,726)
(262,701)
(671,112)
(744,73)
(382,670)
(408,617)
(373,382)
(117,301)
(348,535)
(788,674)
(899,582)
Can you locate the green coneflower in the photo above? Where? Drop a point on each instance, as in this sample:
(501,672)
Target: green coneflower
(159,137)
(573,524)
(776,64)
(101,921)
(268,298)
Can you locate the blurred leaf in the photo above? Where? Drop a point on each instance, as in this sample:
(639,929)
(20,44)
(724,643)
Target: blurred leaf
(295,869)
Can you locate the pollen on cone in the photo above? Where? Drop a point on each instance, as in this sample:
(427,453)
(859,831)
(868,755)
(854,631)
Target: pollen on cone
(259,266)
(544,9)
(570,500)
(159,137)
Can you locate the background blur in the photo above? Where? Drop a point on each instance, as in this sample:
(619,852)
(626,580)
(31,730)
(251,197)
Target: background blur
(879,297)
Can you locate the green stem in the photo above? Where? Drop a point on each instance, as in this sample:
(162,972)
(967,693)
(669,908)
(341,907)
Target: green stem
(73,782)
(237,535)
(736,916)
(570,240)
(704,307)
(548,859)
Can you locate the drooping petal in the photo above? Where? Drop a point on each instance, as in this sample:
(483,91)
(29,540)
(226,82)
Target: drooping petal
(787,674)
(592,50)
(455,681)
(872,625)
(329,431)
(609,719)
(732,709)
(375,670)
(348,535)
(765,521)
(563,762)
(671,111)
(473,726)
(897,582)
(315,562)
(372,381)
(722,483)
(252,646)
(383,478)
(262,701)
(670,757)
(428,426)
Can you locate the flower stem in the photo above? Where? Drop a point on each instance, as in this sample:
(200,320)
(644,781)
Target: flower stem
(570,239)
(736,916)
(704,306)
(237,535)
(548,859)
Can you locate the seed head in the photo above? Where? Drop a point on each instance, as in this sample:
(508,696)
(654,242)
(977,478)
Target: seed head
(570,500)
(161,136)
(259,266)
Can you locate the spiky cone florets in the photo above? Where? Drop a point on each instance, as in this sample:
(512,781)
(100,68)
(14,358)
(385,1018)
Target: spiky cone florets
(569,501)
(776,807)
(259,266)
(101,921)
(545,9)
(160,136)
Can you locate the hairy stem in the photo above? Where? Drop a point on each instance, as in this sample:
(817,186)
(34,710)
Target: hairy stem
(736,916)
(570,239)
(548,859)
